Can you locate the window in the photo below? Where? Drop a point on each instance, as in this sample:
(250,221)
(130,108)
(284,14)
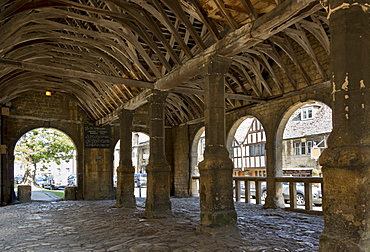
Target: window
(237,154)
(306,113)
(251,150)
(309,146)
(303,148)
(297,148)
(257,149)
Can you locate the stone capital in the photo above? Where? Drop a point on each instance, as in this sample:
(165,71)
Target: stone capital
(157,96)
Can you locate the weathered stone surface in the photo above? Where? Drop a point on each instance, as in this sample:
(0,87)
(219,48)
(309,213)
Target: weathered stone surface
(158,204)
(346,161)
(125,171)
(70,193)
(24,193)
(217,205)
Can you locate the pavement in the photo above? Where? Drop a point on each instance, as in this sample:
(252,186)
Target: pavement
(98,226)
(41,195)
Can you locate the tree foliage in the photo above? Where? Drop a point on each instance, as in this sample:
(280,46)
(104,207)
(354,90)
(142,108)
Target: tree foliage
(42,145)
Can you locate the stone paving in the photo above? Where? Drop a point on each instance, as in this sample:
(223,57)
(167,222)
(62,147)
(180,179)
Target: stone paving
(96,226)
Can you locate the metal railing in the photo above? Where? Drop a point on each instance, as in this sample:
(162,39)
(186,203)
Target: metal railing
(255,189)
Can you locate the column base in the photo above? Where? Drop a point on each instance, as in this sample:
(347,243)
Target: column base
(216,189)
(158,214)
(125,204)
(341,244)
(217,231)
(158,203)
(218,218)
(125,187)
(274,202)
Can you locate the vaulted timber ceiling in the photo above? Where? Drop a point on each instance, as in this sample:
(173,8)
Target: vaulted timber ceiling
(109,54)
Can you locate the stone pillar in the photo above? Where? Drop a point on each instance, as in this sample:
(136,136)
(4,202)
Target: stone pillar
(181,165)
(70,193)
(158,204)
(346,161)
(125,171)
(216,188)
(274,169)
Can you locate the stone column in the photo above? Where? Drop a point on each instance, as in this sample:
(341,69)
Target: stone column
(274,168)
(216,188)
(346,161)
(158,204)
(125,170)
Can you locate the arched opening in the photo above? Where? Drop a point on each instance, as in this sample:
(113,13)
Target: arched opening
(45,158)
(197,150)
(140,159)
(303,133)
(307,129)
(246,144)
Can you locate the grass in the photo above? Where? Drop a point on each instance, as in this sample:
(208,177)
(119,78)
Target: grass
(57,193)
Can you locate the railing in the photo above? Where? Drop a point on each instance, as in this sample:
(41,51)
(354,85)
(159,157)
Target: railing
(255,187)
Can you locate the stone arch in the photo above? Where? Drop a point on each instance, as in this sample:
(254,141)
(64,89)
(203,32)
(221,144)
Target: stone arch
(25,130)
(281,128)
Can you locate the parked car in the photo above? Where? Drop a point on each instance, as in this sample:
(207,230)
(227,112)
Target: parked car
(40,181)
(316,194)
(54,183)
(18,179)
(300,197)
(49,182)
(72,180)
(140,179)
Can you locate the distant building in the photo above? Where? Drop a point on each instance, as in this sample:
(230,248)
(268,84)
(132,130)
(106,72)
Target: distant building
(59,171)
(248,149)
(140,152)
(307,128)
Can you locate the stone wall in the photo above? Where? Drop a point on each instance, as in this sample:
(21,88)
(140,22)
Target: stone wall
(35,110)
(98,173)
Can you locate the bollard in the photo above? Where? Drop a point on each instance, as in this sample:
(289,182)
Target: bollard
(24,193)
(70,193)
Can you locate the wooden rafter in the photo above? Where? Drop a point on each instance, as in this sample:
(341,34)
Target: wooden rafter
(73,73)
(106,54)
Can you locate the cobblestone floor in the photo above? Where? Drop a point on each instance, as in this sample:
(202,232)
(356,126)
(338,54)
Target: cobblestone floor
(96,226)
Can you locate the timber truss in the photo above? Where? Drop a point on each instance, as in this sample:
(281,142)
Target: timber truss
(109,54)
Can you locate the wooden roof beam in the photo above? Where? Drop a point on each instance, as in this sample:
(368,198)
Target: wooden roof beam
(247,36)
(248,6)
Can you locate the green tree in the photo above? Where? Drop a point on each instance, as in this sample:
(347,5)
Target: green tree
(42,145)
